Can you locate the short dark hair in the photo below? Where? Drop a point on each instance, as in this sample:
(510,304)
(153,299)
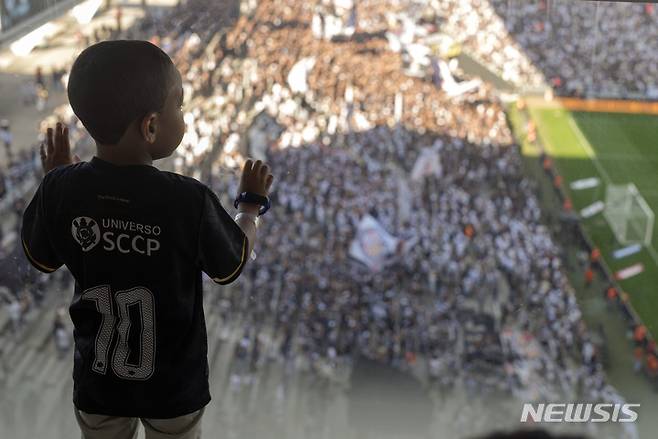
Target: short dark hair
(114,83)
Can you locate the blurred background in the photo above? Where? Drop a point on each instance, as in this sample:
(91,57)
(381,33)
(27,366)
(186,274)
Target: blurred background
(462,222)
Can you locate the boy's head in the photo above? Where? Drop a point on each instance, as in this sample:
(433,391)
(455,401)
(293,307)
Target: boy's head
(128,93)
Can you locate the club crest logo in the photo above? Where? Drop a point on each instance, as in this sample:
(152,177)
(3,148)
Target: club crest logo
(85,232)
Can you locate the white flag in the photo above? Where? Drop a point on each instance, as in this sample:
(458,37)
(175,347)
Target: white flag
(298,74)
(427,163)
(372,244)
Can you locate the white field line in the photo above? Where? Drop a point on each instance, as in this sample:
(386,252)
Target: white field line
(588,150)
(590,153)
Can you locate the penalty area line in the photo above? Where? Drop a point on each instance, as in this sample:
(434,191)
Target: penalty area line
(584,143)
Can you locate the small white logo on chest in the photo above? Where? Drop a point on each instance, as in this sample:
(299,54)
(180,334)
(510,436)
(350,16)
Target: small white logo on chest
(86,232)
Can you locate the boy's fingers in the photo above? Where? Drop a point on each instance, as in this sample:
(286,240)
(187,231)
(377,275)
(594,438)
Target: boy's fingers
(264,170)
(247,165)
(58,138)
(270,179)
(51,146)
(65,141)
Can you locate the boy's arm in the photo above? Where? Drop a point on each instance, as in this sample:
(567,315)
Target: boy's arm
(34,231)
(35,236)
(223,246)
(248,225)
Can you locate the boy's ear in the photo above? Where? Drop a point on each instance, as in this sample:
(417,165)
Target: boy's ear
(149,126)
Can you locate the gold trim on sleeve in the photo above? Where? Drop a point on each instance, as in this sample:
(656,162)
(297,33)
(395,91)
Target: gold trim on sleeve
(34,261)
(243,259)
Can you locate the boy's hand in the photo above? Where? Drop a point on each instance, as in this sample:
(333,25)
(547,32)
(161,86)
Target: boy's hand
(256,178)
(58,150)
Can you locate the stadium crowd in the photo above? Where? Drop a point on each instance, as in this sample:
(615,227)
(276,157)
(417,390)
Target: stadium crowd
(479,208)
(578,48)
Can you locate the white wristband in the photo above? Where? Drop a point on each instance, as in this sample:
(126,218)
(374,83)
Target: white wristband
(251,216)
(256,220)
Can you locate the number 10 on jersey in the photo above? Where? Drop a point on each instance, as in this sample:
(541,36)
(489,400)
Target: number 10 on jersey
(139,297)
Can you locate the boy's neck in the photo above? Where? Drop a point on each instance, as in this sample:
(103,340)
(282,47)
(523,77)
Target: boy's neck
(122,157)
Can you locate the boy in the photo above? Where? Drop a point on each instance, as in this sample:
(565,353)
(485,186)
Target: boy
(136,240)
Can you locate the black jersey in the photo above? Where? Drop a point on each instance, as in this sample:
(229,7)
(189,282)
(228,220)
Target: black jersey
(136,240)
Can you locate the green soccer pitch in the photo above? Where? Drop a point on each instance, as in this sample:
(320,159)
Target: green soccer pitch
(617,148)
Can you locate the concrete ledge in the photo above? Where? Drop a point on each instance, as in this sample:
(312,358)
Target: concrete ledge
(34,22)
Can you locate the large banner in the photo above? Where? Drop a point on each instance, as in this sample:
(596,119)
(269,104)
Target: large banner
(375,247)
(13,12)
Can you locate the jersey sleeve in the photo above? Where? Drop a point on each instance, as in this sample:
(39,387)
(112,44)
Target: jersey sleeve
(222,244)
(35,235)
